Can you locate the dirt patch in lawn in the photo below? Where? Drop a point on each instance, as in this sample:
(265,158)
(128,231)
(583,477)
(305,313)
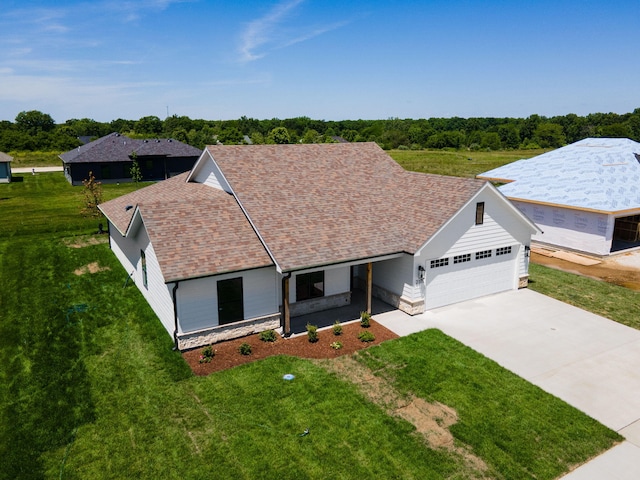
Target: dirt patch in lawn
(85,241)
(228,356)
(431,419)
(622,269)
(93,267)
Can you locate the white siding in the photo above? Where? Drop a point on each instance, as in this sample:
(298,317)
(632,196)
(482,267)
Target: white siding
(208,173)
(397,276)
(575,229)
(125,249)
(336,280)
(156,293)
(198,298)
(523,262)
(502,227)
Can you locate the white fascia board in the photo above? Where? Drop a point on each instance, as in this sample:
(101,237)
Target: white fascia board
(534,228)
(513,208)
(205,153)
(134,224)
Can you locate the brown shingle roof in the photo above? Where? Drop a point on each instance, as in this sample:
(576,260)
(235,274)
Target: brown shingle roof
(312,205)
(195,230)
(328,203)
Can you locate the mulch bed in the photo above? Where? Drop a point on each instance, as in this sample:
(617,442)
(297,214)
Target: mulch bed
(228,356)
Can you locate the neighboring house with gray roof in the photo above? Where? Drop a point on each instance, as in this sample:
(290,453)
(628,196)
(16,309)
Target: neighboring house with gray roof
(584,197)
(110,159)
(256,234)
(5,167)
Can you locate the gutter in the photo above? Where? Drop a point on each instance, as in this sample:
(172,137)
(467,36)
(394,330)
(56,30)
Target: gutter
(175,315)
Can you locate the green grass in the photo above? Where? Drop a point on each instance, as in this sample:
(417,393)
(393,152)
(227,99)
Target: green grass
(90,387)
(611,301)
(47,203)
(457,163)
(515,427)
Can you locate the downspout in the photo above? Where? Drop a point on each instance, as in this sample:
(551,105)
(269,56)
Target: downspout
(286,319)
(175,315)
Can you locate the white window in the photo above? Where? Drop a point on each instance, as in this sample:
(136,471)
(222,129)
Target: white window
(143,261)
(483,254)
(462,258)
(441,262)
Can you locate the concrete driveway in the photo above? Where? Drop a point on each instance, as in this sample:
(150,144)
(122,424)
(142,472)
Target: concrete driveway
(588,361)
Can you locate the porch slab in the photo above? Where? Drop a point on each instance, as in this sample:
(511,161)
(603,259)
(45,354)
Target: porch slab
(326,318)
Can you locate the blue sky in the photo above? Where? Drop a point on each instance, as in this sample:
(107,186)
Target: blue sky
(325,59)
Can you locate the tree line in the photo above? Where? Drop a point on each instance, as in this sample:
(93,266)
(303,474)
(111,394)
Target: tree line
(34,130)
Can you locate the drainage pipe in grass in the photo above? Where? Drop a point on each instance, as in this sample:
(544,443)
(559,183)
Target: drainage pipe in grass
(175,315)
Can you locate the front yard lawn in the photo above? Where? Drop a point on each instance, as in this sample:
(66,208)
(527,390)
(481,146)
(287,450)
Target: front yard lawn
(90,387)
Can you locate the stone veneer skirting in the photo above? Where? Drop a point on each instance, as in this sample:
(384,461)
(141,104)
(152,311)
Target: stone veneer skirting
(318,304)
(523,282)
(243,328)
(404,304)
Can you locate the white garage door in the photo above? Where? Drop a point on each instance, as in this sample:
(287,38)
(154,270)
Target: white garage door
(455,279)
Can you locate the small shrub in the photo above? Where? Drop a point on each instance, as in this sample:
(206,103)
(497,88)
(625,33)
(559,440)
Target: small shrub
(365,319)
(245,349)
(337,328)
(268,336)
(312,333)
(336,345)
(366,336)
(207,354)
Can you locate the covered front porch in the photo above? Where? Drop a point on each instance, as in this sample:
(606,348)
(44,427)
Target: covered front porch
(344,291)
(348,313)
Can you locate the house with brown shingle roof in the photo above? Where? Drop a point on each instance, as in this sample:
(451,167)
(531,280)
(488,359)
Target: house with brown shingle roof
(111,157)
(254,235)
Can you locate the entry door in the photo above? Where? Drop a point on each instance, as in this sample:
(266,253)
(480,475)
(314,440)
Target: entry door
(230,301)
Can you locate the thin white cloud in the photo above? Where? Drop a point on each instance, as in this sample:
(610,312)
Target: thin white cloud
(260,31)
(131,11)
(314,33)
(271,32)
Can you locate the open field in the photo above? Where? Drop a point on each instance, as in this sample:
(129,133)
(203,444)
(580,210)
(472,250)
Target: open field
(90,388)
(460,163)
(457,163)
(35,159)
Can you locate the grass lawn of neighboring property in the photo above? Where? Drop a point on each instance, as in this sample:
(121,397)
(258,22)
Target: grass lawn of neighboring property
(611,301)
(90,387)
(458,163)
(23,159)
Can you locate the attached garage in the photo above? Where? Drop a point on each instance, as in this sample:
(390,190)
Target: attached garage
(471,275)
